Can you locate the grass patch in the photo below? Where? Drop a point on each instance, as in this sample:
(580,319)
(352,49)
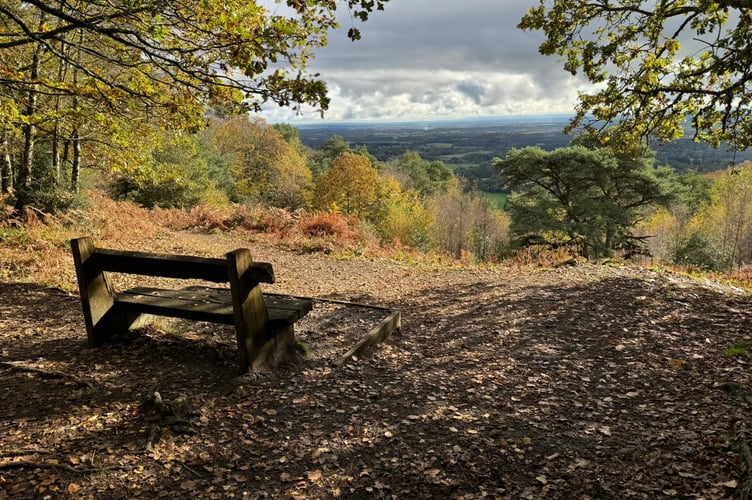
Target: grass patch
(499,199)
(738,349)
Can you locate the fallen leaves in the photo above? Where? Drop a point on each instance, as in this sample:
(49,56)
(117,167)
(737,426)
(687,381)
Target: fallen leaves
(314,476)
(507,385)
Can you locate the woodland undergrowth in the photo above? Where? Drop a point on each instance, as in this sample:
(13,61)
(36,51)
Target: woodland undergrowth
(34,246)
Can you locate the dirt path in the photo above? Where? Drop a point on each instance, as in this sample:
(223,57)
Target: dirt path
(583,382)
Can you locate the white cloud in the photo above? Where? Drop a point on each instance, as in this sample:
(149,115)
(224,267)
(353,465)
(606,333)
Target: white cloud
(425,59)
(421,95)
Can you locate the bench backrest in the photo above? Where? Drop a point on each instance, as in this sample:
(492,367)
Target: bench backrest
(93,261)
(167,266)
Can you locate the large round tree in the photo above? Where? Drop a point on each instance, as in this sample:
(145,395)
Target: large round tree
(588,198)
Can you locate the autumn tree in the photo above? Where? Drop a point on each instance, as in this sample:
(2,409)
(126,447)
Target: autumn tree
(172,175)
(155,61)
(466,223)
(320,160)
(291,135)
(267,168)
(722,235)
(348,185)
(399,215)
(668,232)
(656,63)
(579,196)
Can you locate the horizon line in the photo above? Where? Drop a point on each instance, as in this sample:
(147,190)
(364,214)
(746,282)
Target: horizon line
(355,122)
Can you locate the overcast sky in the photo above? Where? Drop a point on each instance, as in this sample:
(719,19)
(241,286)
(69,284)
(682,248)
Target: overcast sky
(439,59)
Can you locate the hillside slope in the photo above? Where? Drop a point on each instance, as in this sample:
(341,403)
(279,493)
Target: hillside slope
(586,381)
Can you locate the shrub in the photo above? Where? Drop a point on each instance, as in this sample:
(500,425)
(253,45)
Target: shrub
(697,251)
(329,226)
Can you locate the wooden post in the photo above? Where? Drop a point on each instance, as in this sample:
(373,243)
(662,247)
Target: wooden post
(251,316)
(97,294)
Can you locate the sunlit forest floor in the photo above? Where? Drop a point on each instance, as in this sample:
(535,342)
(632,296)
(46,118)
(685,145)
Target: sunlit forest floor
(582,381)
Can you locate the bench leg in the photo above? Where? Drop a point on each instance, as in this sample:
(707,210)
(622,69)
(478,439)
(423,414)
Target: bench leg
(261,342)
(97,294)
(276,347)
(249,308)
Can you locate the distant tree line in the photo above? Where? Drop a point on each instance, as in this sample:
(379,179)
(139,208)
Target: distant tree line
(470,150)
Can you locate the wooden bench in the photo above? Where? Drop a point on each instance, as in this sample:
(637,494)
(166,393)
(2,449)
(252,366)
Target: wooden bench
(264,326)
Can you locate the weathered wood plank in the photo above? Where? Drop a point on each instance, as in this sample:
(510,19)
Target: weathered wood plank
(288,309)
(176,307)
(205,304)
(97,294)
(174,266)
(379,333)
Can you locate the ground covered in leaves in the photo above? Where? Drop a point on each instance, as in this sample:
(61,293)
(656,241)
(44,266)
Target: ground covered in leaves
(580,382)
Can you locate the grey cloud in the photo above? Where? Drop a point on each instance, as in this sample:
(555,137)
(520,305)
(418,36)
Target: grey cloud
(473,90)
(475,35)
(420,59)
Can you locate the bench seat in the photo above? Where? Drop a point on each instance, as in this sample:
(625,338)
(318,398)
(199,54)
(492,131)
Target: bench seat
(205,304)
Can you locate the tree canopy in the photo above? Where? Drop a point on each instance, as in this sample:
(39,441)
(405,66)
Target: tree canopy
(349,184)
(205,49)
(115,72)
(268,169)
(656,64)
(413,172)
(579,196)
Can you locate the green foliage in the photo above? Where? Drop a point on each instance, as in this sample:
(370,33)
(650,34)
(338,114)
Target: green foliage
(645,82)
(586,197)
(93,75)
(267,169)
(176,176)
(725,221)
(699,251)
(689,190)
(399,215)
(291,135)
(413,172)
(319,161)
(52,197)
(197,48)
(220,167)
(498,199)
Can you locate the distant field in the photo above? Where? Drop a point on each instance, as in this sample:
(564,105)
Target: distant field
(500,199)
(476,143)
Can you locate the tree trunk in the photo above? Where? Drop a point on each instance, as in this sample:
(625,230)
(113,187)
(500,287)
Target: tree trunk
(461,227)
(76,163)
(27,158)
(6,167)
(56,152)
(66,152)
(57,161)
(23,180)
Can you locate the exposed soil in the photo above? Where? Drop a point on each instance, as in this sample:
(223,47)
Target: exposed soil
(580,382)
